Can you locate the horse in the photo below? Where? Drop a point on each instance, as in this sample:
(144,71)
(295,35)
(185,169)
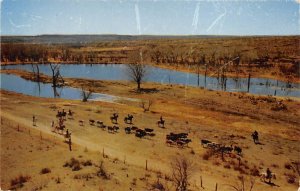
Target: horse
(114,118)
(67,136)
(81,122)
(204,142)
(264,177)
(61,114)
(128,119)
(59,128)
(161,123)
(92,121)
(238,150)
(70,114)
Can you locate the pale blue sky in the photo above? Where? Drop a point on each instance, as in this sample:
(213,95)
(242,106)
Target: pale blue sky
(160,17)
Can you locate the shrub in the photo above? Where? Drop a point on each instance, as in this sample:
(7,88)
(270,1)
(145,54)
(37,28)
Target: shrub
(45,171)
(133,183)
(76,167)
(227,166)
(288,166)
(291,179)
(279,107)
(254,171)
(192,152)
(19,181)
(74,164)
(87,163)
(217,163)
(207,155)
(275,165)
(240,169)
(158,186)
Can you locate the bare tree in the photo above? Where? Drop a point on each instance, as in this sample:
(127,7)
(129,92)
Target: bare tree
(156,55)
(86,94)
(198,67)
(36,71)
(57,79)
(181,172)
(136,70)
(146,105)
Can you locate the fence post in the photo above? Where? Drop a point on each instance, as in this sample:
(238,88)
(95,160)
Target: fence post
(216,187)
(201,183)
(124,158)
(70,144)
(103,153)
(146,164)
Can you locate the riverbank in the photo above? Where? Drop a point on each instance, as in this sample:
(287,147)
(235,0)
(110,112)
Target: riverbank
(238,103)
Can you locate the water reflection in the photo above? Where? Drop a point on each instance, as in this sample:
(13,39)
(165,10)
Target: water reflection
(261,86)
(18,84)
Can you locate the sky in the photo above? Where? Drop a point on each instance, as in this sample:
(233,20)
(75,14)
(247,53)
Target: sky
(150,17)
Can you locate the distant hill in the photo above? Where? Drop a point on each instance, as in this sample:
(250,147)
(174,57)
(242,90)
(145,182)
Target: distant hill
(83,39)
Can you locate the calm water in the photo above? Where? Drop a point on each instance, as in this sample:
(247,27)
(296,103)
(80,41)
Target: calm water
(260,86)
(17,84)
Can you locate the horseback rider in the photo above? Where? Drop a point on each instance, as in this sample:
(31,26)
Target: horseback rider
(161,119)
(33,120)
(255,136)
(269,174)
(67,133)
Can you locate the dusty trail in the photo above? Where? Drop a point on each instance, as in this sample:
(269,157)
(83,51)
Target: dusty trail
(110,150)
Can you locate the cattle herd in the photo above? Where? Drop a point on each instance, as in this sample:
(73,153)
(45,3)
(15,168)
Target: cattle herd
(216,147)
(179,139)
(172,139)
